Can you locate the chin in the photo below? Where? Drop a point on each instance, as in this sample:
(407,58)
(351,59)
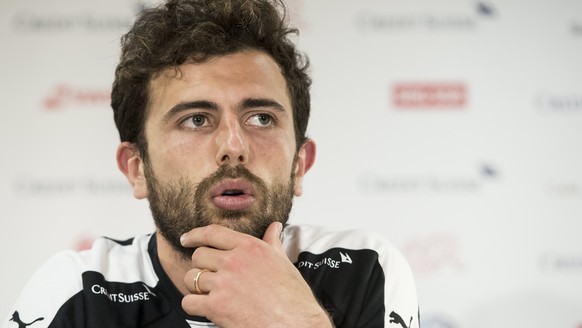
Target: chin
(245,225)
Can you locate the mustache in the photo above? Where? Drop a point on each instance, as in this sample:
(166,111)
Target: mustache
(230,172)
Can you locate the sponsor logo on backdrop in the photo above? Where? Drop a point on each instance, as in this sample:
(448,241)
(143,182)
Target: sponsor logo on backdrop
(295,10)
(32,22)
(563,188)
(418,95)
(562,103)
(433,253)
(555,262)
(437,321)
(63,96)
(376,183)
(35,186)
(474,13)
(485,9)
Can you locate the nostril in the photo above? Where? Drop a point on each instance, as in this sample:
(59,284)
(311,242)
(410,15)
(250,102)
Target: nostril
(225,159)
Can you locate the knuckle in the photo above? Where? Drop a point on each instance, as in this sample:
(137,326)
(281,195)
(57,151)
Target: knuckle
(213,227)
(232,262)
(210,231)
(219,305)
(196,255)
(254,247)
(251,244)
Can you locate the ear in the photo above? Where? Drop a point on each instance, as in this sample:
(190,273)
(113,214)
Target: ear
(305,160)
(130,164)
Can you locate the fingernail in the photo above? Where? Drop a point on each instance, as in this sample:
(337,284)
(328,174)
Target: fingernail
(183,239)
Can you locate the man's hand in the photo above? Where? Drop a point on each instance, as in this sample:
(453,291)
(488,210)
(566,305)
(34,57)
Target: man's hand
(250,282)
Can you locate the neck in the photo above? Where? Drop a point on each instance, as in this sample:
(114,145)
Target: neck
(173,263)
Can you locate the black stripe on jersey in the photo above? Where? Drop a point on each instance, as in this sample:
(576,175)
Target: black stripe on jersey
(104,303)
(126,242)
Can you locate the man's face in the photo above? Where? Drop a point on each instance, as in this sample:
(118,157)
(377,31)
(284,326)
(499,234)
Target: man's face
(221,146)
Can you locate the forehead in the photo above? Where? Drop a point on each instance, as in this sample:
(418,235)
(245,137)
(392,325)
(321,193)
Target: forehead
(223,79)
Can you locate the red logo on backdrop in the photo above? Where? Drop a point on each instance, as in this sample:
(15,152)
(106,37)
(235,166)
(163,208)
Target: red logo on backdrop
(83,242)
(446,95)
(434,253)
(63,96)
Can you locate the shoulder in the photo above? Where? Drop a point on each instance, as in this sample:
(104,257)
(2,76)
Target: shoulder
(123,261)
(317,239)
(116,260)
(374,259)
(299,239)
(61,277)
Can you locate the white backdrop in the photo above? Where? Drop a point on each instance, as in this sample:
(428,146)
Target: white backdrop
(453,127)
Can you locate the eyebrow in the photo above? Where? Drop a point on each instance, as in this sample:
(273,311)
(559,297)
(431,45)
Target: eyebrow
(260,102)
(188,105)
(246,103)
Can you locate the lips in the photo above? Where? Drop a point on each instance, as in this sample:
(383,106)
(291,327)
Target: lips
(233,195)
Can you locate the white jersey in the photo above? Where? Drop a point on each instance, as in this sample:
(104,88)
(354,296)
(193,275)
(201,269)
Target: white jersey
(359,278)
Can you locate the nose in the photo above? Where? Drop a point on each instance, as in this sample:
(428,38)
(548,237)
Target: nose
(232,144)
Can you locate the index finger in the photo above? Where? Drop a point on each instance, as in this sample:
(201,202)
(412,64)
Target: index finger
(215,236)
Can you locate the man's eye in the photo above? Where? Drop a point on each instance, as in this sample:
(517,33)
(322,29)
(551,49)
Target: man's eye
(195,121)
(261,120)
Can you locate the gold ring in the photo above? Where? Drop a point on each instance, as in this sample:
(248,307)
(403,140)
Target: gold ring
(196,287)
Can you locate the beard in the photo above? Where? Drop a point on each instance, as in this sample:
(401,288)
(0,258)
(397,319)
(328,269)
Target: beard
(180,206)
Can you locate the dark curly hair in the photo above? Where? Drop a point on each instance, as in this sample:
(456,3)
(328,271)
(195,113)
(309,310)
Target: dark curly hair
(183,30)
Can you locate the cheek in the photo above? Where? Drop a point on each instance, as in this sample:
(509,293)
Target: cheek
(177,157)
(276,156)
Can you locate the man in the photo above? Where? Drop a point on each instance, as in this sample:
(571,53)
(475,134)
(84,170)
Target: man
(211,101)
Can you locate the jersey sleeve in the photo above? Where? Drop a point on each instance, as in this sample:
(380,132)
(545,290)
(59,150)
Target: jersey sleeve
(400,296)
(55,282)
(388,282)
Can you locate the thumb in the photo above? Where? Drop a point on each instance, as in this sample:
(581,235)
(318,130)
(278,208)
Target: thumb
(273,234)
